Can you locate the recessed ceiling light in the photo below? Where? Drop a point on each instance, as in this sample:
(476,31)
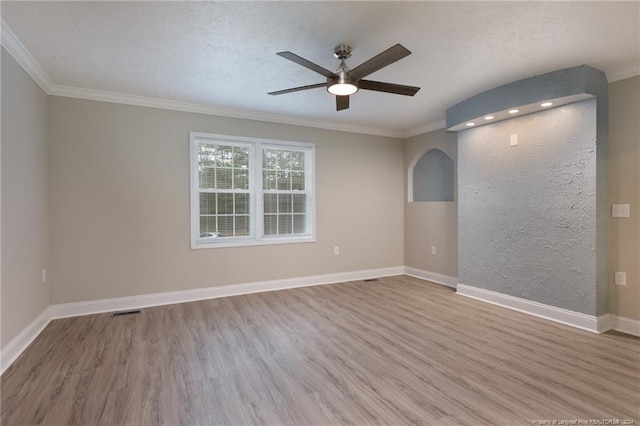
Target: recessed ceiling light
(489,117)
(546,104)
(514,111)
(471,124)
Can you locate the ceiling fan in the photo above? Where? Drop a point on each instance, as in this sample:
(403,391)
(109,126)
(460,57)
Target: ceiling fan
(345,81)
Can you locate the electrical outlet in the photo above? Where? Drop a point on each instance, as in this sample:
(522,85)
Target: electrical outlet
(433,250)
(620,278)
(336,251)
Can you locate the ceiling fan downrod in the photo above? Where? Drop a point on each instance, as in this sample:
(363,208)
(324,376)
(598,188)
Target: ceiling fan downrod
(342,84)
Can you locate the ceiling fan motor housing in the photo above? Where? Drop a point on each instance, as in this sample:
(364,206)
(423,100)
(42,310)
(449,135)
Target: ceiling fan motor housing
(342,78)
(342,51)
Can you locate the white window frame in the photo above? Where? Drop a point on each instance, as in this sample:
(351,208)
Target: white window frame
(256,192)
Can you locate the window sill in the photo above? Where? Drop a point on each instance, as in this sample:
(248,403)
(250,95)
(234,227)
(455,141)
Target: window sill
(197,245)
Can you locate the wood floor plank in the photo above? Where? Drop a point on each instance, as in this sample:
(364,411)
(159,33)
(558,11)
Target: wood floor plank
(394,351)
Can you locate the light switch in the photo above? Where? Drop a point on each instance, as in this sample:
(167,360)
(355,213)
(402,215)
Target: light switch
(513,140)
(620,278)
(620,210)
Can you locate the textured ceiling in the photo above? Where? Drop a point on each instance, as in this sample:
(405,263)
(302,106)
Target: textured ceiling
(223,54)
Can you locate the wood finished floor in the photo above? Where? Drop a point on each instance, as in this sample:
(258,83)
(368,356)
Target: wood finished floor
(394,351)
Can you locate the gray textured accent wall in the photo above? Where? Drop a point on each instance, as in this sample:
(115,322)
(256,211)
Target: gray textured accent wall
(433,177)
(527,214)
(533,218)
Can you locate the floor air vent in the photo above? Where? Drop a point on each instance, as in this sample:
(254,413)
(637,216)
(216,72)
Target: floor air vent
(119,314)
(370,279)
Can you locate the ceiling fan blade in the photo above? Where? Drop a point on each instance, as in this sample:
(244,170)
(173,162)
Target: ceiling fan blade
(307,64)
(398,89)
(297,89)
(389,56)
(342,102)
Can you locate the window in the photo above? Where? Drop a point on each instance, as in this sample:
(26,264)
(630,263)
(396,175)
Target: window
(248,191)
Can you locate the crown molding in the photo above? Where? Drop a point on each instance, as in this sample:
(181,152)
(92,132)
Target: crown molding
(145,101)
(20,53)
(429,127)
(621,74)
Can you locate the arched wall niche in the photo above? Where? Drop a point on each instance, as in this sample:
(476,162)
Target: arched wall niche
(431,177)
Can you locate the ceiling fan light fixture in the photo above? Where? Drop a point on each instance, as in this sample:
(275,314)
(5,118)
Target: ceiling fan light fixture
(342,89)
(343,85)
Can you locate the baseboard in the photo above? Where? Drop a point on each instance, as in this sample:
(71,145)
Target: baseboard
(603,323)
(434,277)
(66,310)
(18,344)
(624,324)
(564,316)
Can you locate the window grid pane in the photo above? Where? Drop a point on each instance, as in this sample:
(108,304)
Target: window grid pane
(284,203)
(270,224)
(297,181)
(241,204)
(242,227)
(269,179)
(284,224)
(207,177)
(299,223)
(299,203)
(207,203)
(224,178)
(297,160)
(270,203)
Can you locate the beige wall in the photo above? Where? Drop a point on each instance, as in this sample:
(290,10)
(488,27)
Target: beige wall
(431,223)
(120,203)
(624,188)
(25,216)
